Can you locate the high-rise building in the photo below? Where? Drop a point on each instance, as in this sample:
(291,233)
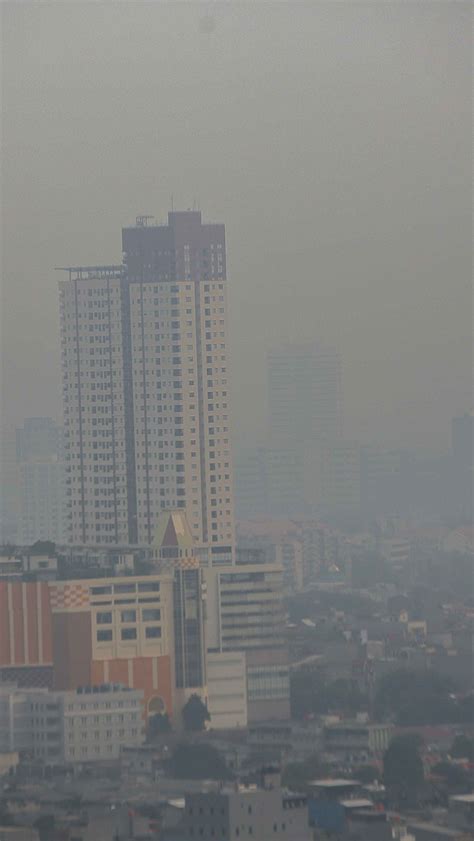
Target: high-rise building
(462,448)
(269,481)
(305,414)
(41,482)
(146,386)
(8,488)
(340,477)
(38,438)
(305,394)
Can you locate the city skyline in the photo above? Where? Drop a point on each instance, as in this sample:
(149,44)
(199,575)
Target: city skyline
(362,242)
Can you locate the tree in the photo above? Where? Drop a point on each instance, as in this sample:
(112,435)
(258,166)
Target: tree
(157,724)
(456,778)
(297,774)
(195,714)
(43,547)
(462,747)
(417,698)
(403,768)
(197,762)
(366,774)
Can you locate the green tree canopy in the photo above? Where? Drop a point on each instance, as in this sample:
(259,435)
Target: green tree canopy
(462,747)
(417,698)
(197,762)
(195,714)
(157,724)
(403,767)
(297,775)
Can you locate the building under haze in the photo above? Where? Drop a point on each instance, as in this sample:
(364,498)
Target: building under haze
(304,393)
(40,481)
(305,413)
(146,387)
(462,444)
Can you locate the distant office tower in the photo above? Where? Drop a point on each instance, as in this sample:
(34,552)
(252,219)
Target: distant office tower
(384,482)
(305,394)
(462,444)
(146,387)
(340,476)
(41,481)
(9,503)
(38,438)
(269,482)
(305,413)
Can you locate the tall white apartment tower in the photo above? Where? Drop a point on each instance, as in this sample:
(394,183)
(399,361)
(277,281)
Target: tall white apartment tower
(146,387)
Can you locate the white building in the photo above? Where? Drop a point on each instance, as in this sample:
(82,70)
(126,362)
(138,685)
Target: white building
(146,387)
(227,689)
(244,611)
(88,725)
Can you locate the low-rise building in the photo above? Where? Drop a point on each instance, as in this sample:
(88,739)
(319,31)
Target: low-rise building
(244,812)
(90,725)
(354,741)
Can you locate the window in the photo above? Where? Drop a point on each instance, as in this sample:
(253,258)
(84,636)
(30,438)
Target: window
(129,633)
(104,636)
(153,632)
(104,618)
(128,616)
(124,588)
(149,587)
(151,615)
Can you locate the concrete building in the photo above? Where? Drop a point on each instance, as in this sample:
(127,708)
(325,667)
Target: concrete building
(174,551)
(227,689)
(244,812)
(462,454)
(91,724)
(42,512)
(146,386)
(87,725)
(125,628)
(340,477)
(356,742)
(16,733)
(26,644)
(305,411)
(305,393)
(244,611)
(269,482)
(41,481)
(9,504)
(38,438)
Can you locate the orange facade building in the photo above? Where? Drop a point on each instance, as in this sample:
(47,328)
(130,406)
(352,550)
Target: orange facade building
(66,634)
(115,630)
(26,648)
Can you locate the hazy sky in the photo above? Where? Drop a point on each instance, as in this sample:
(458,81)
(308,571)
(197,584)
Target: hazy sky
(332,139)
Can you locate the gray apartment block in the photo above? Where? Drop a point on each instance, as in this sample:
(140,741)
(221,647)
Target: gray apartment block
(243,813)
